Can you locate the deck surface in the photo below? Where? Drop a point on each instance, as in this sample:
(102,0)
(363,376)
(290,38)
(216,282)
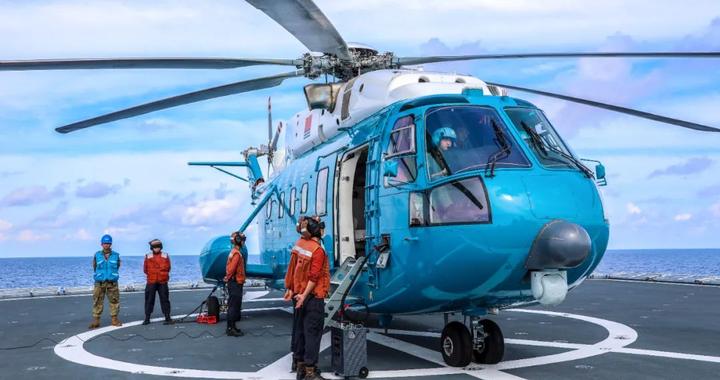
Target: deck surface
(604,330)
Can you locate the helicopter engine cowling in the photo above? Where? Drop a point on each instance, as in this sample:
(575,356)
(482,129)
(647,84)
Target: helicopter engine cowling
(559,245)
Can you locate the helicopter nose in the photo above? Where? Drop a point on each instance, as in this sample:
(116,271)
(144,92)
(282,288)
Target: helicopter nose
(559,245)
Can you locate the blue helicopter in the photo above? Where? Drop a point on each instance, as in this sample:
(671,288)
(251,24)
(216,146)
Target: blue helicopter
(440,193)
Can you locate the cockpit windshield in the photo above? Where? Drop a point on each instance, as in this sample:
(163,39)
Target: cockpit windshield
(464,138)
(541,137)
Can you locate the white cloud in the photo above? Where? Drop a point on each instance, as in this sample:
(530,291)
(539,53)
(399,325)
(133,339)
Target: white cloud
(28,235)
(80,234)
(715,209)
(212,211)
(683,217)
(5,225)
(30,195)
(633,209)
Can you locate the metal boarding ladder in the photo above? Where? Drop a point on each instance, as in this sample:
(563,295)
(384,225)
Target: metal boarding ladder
(372,183)
(340,284)
(372,207)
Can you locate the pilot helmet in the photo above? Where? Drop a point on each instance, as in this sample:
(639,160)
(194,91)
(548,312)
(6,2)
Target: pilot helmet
(444,133)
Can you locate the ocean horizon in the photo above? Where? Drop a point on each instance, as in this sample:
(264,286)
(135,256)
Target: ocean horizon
(687,265)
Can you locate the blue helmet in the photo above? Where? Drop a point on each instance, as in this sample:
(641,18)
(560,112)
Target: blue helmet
(443,133)
(106,239)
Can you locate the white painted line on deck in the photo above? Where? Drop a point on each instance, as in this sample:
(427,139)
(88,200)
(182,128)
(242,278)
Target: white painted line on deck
(671,355)
(619,336)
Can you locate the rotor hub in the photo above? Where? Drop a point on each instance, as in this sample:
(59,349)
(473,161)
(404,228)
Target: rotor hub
(362,60)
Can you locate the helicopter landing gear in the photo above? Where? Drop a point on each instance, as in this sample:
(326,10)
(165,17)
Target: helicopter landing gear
(483,343)
(456,344)
(488,342)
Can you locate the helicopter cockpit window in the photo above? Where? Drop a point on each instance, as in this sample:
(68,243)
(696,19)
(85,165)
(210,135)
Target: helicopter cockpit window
(401,148)
(303,198)
(541,137)
(457,202)
(281,205)
(402,137)
(464,138)
(292,201)
(321,192)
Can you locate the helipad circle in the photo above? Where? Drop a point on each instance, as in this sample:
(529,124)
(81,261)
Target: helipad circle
(619,335)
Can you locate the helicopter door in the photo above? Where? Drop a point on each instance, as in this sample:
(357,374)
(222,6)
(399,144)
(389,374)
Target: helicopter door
(350,208)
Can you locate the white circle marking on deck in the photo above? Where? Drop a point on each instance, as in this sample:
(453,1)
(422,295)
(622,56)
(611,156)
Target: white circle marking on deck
(619,336)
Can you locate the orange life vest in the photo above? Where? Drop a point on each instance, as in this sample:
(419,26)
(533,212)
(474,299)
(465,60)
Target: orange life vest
(235,266)
(157,268)
(304,250)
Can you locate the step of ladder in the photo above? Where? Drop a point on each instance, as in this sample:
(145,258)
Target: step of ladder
(340,285)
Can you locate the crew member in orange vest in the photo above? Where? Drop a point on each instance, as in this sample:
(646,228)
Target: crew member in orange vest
(301,228)
(310,285)
(235,279)
(157,270)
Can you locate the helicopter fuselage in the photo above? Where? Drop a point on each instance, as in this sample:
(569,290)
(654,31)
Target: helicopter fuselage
(442,230)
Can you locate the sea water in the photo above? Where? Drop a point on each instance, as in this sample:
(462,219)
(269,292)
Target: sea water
(76,272)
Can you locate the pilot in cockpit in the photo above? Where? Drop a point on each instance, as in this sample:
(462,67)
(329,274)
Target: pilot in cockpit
(444,140)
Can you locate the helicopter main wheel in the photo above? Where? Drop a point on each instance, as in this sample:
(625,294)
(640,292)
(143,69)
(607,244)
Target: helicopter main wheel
(456,344)
(493,347)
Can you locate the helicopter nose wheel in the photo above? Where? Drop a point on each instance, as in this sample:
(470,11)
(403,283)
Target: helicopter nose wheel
(484,344)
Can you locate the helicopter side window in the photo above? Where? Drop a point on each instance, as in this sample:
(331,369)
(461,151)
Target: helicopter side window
(321,192)
(292,201)
(401,148)
(466,138)
(281,205)
(417,209)
(303,198)
(459,202)
(540,136)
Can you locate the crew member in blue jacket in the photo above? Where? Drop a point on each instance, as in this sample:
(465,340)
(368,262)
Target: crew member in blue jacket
(106,265)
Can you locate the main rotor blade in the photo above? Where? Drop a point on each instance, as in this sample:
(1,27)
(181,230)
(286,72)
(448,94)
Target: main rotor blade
(450,58)
(192,97)
(304,20)
(141,63)
(611,107)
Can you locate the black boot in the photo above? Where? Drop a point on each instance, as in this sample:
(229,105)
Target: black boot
(300,371)
(293,366)
(231,331)
(146,321)
(168,320)
(312,373)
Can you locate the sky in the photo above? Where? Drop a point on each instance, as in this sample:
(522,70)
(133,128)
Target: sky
(60,193)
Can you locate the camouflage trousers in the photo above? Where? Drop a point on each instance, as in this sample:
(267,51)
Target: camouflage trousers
(113,294)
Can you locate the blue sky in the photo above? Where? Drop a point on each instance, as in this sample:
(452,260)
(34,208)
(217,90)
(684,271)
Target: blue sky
(59,193)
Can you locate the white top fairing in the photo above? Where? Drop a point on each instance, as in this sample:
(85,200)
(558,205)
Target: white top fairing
(366,94)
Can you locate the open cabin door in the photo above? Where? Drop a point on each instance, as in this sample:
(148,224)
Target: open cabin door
(350,204)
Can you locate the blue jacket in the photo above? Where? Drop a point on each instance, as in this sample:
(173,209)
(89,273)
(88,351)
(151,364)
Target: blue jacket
(107,270)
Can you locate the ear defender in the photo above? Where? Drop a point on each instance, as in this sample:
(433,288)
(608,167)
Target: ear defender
(239,238)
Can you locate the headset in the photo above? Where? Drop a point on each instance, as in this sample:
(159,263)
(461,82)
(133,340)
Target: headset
(239,238)
(314,227)
(155,243)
